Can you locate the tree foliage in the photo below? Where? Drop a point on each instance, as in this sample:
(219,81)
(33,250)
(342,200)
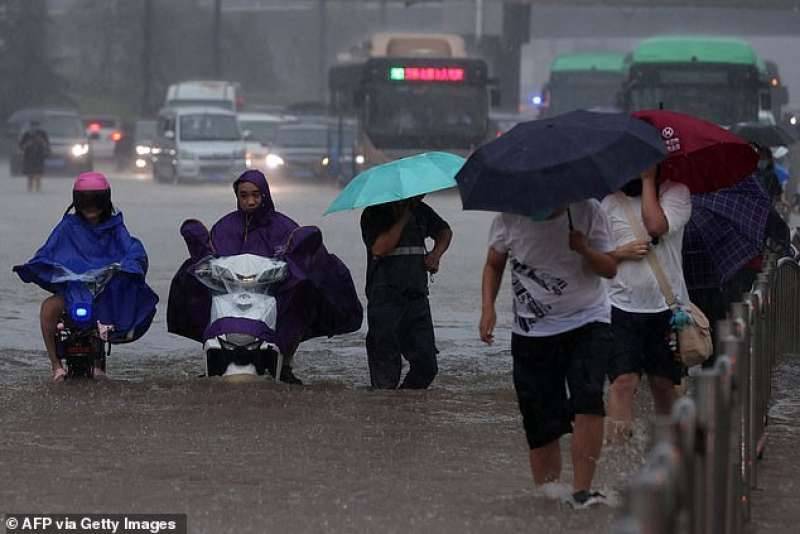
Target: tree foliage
(26,68)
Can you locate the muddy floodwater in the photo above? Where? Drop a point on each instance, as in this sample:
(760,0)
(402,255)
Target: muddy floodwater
(262,457)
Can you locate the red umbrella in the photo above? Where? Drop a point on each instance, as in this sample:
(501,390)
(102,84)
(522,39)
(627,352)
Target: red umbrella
(702,155)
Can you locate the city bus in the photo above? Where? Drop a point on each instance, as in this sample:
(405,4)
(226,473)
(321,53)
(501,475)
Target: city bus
(583,81)
(417,102)
(722,80)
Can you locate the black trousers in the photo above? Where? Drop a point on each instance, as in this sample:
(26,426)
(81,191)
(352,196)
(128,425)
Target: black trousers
(400,326)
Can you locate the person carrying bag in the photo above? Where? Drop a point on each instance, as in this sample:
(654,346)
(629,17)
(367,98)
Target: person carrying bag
(691,325)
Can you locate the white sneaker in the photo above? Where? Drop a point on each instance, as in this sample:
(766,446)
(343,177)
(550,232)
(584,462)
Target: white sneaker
(581,500)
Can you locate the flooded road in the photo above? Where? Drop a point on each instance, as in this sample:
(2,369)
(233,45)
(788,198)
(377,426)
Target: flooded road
(330,456)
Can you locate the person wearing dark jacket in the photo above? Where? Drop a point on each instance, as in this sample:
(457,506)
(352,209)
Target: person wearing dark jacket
(398,312)
(35,147)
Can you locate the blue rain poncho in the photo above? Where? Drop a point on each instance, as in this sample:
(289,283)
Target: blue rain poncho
(76,247)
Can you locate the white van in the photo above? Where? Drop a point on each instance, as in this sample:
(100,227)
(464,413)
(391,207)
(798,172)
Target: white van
(197,143)
(227,95)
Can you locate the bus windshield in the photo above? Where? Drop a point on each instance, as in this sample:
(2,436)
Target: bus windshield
(427,115)
(583,92)
(717,101)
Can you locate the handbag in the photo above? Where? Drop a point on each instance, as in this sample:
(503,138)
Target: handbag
(692,326)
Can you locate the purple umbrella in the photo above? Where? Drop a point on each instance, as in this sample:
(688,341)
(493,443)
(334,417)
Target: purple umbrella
(726,230)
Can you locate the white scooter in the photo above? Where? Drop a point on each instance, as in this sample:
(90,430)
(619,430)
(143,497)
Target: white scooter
(241,301)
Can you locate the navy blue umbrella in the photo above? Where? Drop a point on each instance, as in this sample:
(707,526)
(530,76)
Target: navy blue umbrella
(539,166)
(727,229)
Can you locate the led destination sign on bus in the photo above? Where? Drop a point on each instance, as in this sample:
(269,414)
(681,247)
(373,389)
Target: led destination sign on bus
(426,74)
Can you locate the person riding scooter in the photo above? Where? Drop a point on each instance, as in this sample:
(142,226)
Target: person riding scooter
(315,298)
(93,239)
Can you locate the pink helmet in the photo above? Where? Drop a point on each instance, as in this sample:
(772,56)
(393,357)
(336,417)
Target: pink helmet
(91,181)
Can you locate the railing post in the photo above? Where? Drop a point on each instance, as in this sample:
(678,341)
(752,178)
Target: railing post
(708,490)
(751,305)
(725,435)
(684,417)
(739,345)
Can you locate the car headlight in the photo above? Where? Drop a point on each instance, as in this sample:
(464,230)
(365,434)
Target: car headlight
(140,163)
(325,161)
(273,161)
(142,150)
(80,149)
(360,159)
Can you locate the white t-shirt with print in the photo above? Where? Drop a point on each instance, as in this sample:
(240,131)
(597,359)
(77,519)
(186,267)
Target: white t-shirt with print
(554,290)
(635,288)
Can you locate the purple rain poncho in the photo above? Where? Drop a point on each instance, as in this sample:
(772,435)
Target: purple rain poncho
(318,297)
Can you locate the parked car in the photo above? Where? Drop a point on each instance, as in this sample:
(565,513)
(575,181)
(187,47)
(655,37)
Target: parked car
(197,143)
(104,132)
(70,152)
(258,130)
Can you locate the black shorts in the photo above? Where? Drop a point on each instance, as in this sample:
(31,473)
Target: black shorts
(545,366)
(641,345)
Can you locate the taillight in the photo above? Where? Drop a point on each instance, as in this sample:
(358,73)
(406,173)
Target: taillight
(116,136)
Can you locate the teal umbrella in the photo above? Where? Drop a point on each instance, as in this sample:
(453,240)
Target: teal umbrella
(399,180)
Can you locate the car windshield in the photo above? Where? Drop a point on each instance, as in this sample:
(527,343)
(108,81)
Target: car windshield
(61,126)
(261,131)
(301,138)
(209,127)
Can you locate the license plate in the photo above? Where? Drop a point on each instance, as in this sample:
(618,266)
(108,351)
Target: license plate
(79,350)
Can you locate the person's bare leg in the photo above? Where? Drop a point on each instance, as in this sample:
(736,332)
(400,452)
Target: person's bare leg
(30,183)
(587,442)
(620,407)
(664,394)
(37,182)
(52,308)
(546,463)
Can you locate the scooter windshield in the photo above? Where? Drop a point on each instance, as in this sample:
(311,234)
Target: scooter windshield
(242,273)
(95,280)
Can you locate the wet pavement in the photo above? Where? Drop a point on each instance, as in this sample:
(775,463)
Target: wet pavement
(330,456)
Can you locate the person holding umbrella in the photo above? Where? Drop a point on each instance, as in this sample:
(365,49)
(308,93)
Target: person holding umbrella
(644,340)
(398,312)
(394,227)
(560,333)
(554,235)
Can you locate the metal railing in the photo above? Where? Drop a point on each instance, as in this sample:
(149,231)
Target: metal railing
(703,464)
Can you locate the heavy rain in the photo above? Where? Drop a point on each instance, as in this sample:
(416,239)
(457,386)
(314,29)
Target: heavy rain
(248,402)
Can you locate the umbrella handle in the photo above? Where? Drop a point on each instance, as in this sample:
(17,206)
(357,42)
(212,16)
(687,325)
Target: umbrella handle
(569,216)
